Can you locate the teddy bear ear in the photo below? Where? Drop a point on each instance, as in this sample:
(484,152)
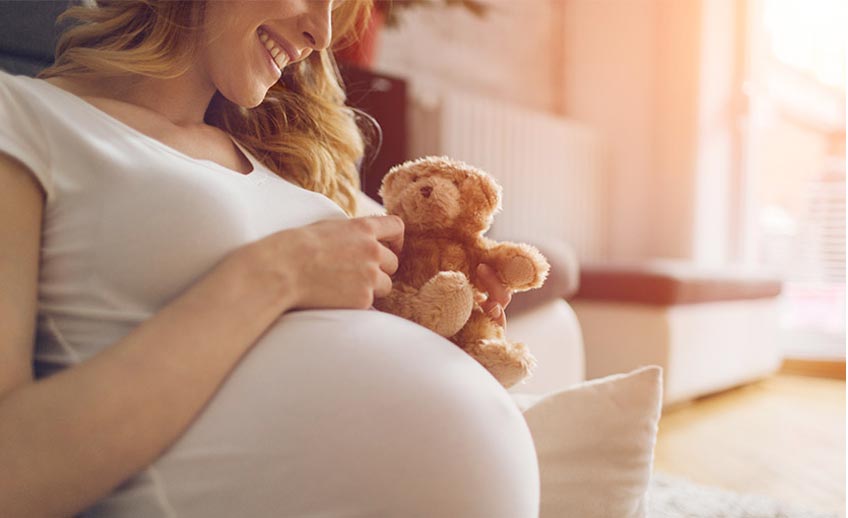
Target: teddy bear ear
(492,191)
(388,180)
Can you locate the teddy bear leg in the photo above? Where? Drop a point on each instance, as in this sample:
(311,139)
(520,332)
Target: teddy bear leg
(399,301)
(484,340)
(445,302)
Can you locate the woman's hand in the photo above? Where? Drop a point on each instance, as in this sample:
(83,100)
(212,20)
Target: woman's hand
(499,295)
(339,263)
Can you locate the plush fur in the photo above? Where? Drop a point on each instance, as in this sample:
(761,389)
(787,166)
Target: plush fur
(446,206)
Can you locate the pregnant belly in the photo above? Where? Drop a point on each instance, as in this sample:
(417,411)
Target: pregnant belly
(350,412)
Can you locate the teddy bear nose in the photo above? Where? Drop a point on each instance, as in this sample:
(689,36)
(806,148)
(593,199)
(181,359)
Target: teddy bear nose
(426,191)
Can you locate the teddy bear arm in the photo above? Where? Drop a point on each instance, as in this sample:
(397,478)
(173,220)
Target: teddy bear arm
(521,267)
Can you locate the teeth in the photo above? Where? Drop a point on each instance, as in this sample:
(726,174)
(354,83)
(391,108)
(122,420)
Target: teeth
(280,57)
(281,60)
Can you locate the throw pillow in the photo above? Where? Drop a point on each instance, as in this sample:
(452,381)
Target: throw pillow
(595,442)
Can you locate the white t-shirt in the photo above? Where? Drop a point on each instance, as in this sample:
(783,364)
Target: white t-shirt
(335,413)
(129,222)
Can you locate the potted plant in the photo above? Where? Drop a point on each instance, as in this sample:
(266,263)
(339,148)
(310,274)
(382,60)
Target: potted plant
(386,13)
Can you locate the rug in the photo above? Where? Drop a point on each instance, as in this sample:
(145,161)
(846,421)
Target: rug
(674,497)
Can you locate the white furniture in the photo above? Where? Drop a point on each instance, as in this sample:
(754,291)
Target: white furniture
(552,333)
(709,330)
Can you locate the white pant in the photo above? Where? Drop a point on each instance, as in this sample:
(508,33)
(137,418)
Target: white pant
(346,413)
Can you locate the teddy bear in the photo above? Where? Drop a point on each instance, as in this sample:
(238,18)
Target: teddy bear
(446,206)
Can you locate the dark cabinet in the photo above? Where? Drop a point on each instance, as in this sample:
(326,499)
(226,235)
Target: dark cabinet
(384,98)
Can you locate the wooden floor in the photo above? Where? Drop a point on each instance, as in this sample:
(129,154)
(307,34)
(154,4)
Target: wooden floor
(782,437)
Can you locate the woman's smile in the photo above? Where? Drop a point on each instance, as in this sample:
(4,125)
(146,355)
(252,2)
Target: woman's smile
(276,57)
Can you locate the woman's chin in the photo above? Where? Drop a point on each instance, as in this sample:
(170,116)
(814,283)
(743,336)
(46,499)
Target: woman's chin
(257,96)
(250,97)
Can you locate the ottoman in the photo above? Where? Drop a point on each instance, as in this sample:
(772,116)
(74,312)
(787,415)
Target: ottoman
(708,329)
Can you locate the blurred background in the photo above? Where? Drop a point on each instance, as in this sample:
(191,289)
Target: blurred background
(717,127)
(692,153)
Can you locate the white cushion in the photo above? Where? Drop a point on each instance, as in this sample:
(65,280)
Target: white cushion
(595,442)
(552,333)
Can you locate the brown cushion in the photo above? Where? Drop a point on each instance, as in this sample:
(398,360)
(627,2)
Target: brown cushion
(669,282)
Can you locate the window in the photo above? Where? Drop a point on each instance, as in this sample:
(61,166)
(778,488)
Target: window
(795,164)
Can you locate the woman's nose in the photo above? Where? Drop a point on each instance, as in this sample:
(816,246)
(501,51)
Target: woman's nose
(316,24)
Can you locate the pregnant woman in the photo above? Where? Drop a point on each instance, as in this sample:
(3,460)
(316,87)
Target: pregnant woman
(185,298)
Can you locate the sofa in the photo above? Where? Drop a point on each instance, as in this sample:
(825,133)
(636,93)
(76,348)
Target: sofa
(710,329)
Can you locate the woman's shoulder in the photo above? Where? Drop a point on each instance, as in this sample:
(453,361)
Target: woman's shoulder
(6,76)
(35,92)
(21,94)
(22,129)
(19,84)
(75,86)
(10,82)
(19,101)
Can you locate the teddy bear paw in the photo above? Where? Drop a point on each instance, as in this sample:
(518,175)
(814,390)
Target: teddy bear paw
(449,299)
(508,362)
(520,272)
(521,367)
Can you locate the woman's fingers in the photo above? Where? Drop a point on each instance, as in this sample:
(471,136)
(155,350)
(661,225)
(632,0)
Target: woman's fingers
(389,233)
(384,285)
(496,313)
(388,230)
(388,260)
(498,293)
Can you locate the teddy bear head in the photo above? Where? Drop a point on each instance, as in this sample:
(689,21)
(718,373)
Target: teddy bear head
(438,193)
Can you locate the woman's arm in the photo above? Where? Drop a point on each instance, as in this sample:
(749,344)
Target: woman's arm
(67,440)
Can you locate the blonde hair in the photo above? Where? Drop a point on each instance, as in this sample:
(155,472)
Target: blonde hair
(302,130)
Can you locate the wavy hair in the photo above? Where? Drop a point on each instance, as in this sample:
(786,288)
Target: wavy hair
(302,130)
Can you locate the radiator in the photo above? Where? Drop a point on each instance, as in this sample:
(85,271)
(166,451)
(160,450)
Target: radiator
(551,169)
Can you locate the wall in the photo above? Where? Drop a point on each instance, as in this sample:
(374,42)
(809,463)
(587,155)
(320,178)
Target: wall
(718,188)
(510,54)
(628,68)
(610,62)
